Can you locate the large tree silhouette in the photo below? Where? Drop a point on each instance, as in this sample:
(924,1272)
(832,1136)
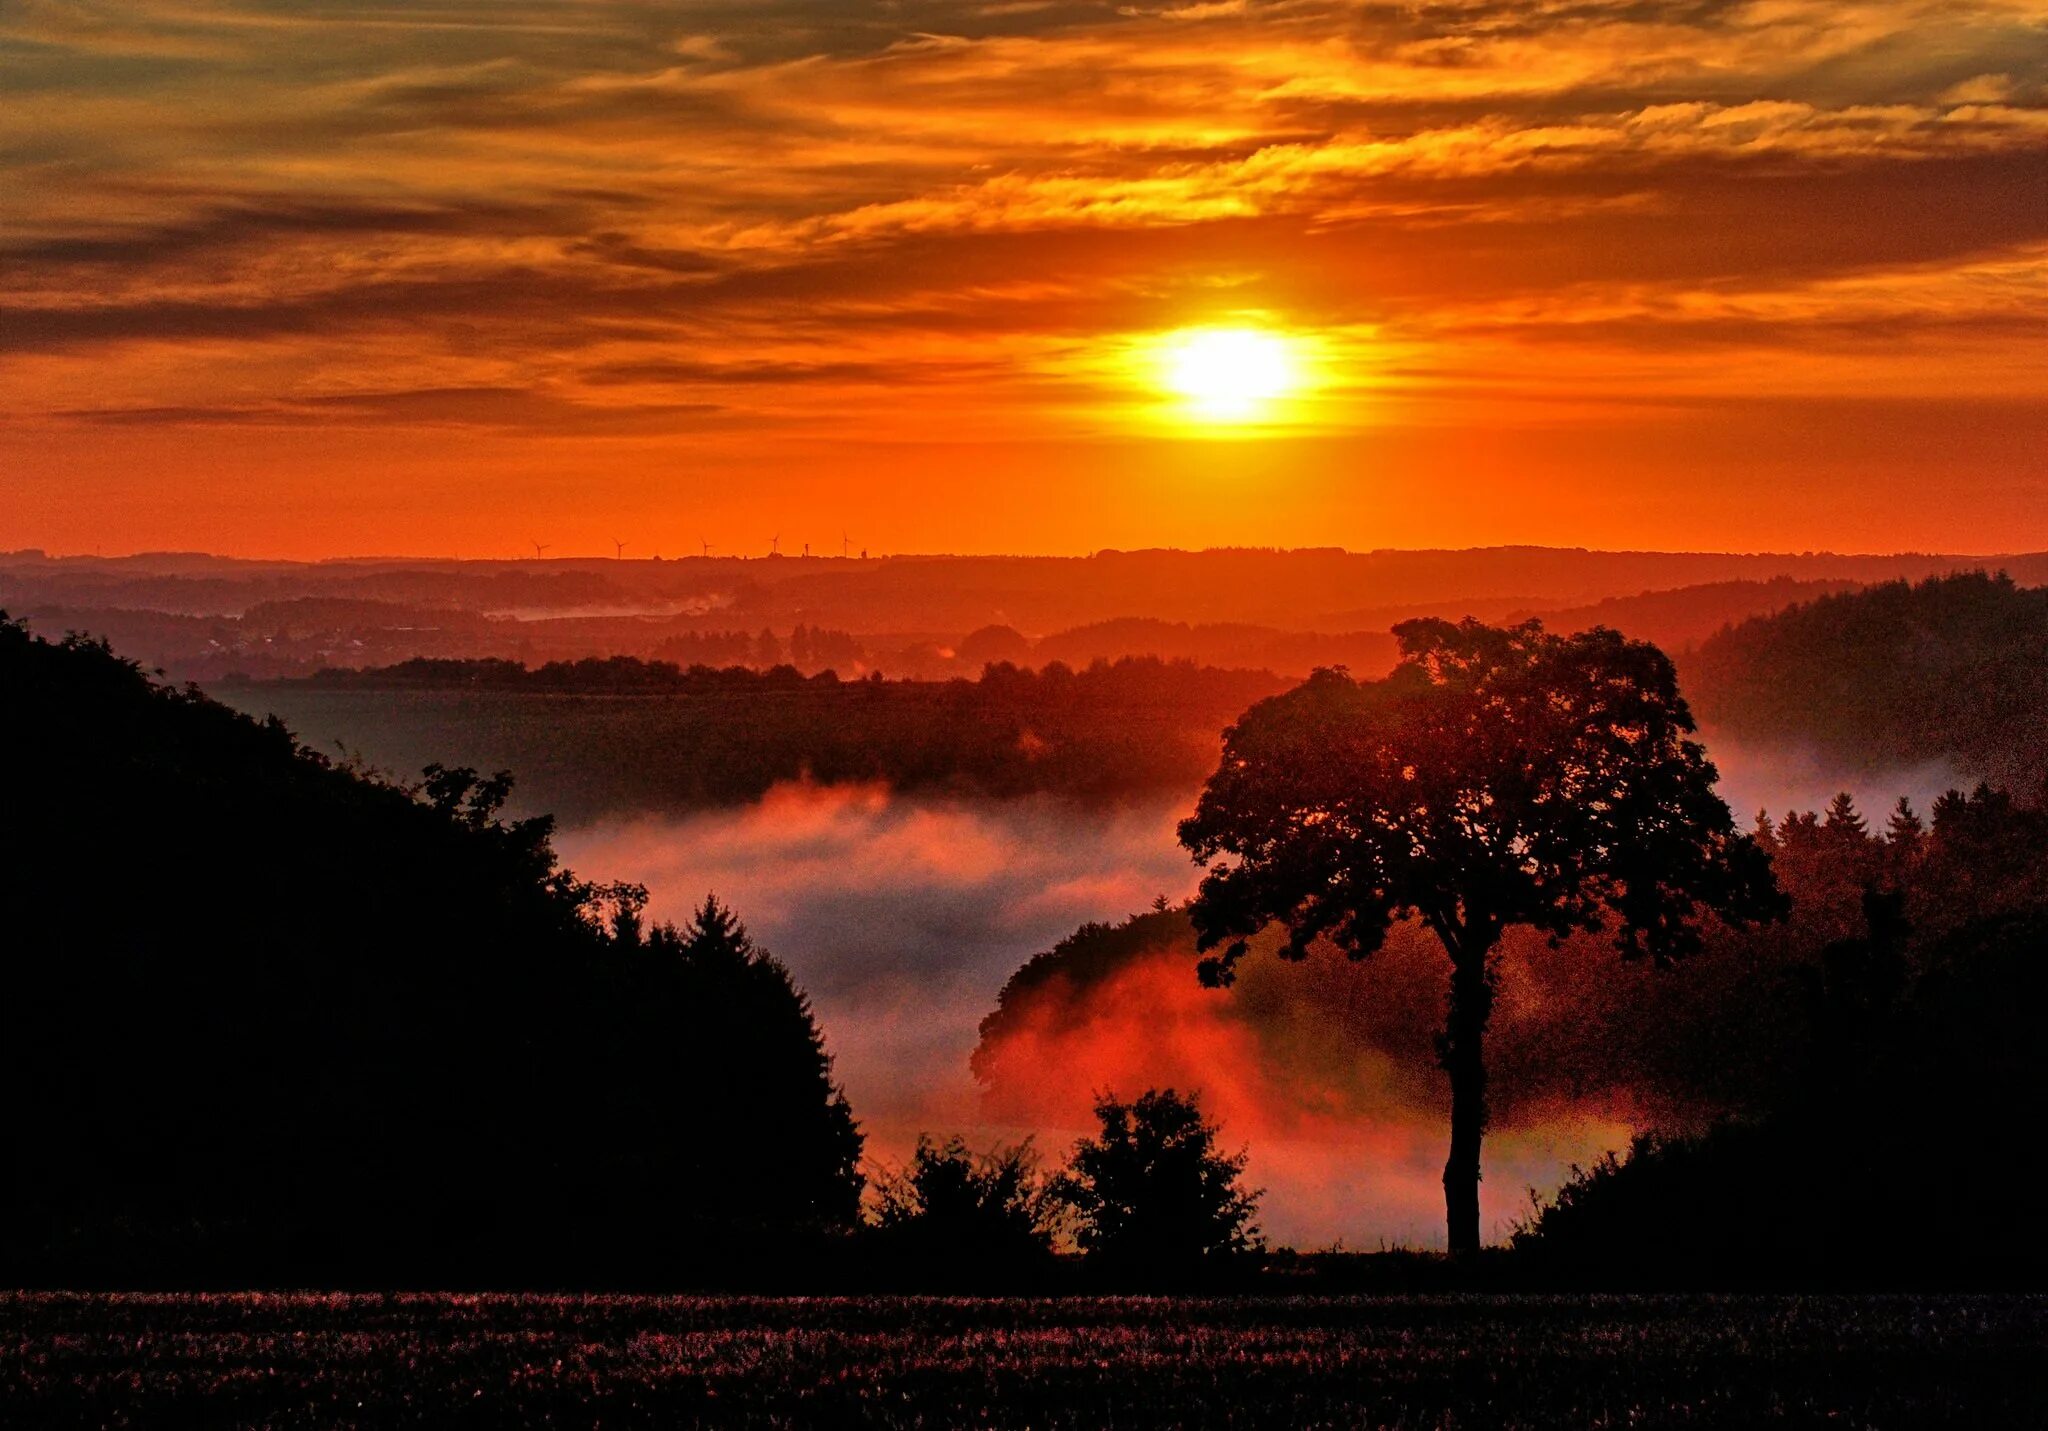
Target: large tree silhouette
(1497,777)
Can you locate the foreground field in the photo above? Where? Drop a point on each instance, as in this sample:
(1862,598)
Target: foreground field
(406,1360)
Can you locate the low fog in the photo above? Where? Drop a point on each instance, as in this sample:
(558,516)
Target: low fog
(903,917)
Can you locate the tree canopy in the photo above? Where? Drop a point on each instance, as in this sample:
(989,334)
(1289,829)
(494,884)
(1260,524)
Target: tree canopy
(1498,777)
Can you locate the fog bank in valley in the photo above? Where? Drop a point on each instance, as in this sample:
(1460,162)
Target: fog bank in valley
(903,917)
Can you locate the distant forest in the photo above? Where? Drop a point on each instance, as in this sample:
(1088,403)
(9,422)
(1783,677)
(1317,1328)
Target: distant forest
(1952,669)
(1897,674)
(602,736)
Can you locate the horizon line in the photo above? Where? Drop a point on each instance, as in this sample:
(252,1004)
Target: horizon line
(33,553)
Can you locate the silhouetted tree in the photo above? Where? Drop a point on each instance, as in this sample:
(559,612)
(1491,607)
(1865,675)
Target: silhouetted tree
(1842,814)
(1497,777)
(1152,1195)
(967,1216)
(1905,828)
(992,645)
(777,1144)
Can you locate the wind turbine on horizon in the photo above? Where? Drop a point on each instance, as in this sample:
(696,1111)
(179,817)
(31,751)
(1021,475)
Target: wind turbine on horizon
(618,550)
(706,545)
(775,545)
(539,547)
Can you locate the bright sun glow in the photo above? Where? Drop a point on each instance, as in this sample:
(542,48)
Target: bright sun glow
(1229,374)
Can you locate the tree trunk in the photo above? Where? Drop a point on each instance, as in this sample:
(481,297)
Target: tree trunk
(1460,1052)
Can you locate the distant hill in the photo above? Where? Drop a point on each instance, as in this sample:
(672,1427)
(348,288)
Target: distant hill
(1684,616)
(1950,669)
(263,1019)
(1676,619)
(1315,589)
(1867,677)
(203,618)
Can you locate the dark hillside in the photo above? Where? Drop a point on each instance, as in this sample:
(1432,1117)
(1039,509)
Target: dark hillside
(265,1019)
(1896,1158)
(1681,618)
(1952,669)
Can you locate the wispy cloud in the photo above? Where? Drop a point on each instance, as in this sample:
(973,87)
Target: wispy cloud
(268,209)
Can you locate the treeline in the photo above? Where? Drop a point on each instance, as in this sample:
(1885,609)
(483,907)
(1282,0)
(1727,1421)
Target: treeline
(1230,644)
(263,1018)
(809,648)
(1887,1150)
(1680,618)
(1897,674)
(592,675)
(652,736)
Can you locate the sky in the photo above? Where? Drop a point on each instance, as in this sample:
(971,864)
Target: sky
(299,279)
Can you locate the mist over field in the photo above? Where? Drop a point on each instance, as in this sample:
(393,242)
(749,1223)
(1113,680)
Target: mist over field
(903,916)
(1779,778)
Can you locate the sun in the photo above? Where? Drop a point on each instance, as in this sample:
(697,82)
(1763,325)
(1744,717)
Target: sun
(1229,374)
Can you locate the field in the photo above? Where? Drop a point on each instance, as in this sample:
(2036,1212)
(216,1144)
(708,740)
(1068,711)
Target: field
(1464,1361)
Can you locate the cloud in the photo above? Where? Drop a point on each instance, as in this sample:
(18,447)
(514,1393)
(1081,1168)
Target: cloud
(249,212)
(499,408)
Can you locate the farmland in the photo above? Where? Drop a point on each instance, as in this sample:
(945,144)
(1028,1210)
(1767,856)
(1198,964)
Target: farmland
(394,1360)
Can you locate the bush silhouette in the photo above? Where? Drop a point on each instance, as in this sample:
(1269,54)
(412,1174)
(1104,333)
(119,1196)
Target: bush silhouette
(1153,1198)
(961,1218)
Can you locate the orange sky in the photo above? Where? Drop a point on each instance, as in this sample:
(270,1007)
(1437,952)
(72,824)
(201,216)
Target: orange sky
(293,278)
